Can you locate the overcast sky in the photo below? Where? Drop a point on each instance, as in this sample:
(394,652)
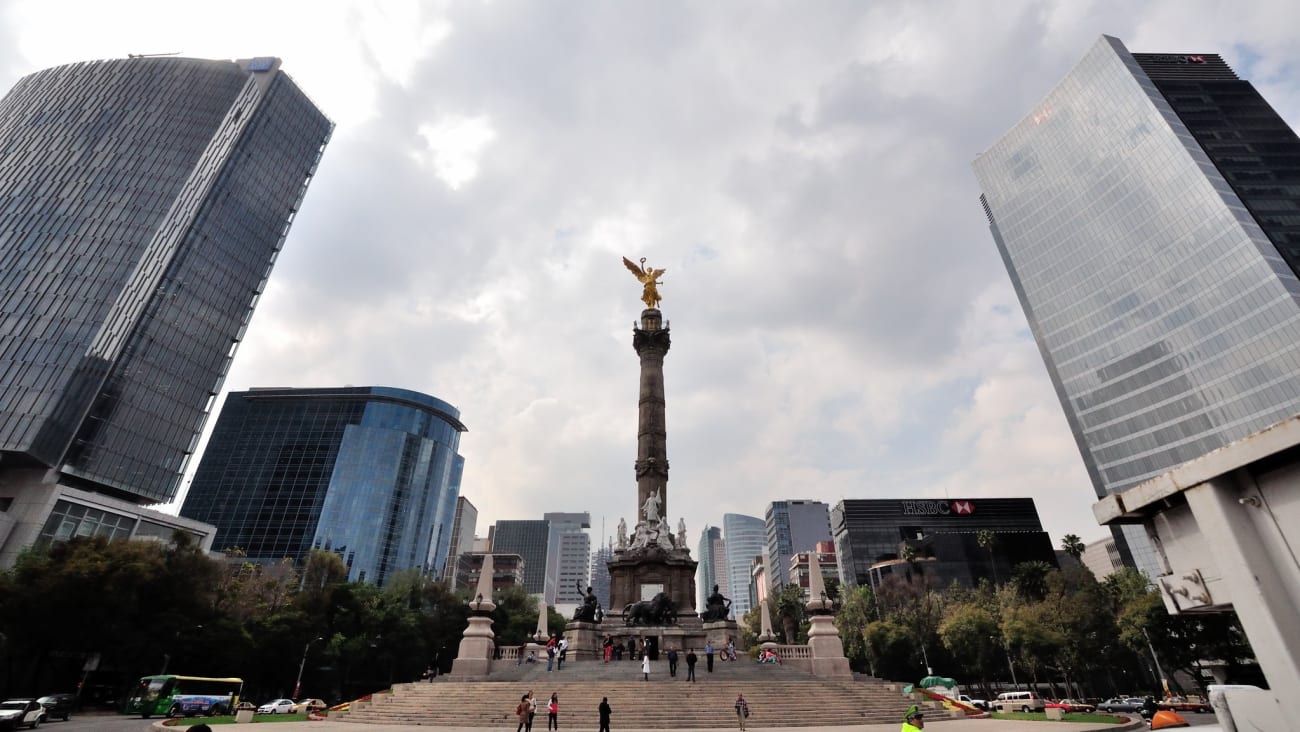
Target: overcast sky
(842,324)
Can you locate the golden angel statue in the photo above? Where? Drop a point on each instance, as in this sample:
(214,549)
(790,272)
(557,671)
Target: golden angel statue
(648,277)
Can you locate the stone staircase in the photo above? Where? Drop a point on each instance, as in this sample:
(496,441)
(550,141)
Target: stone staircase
(778,696)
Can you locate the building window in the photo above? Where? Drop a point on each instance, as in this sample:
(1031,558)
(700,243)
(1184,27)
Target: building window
(70,520)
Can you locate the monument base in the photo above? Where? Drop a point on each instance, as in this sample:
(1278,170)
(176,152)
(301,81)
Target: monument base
(475,655)
(585,640)
(827,650)
(718,632)
(636,575)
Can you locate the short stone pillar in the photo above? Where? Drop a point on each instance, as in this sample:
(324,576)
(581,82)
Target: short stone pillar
(475,655)
(823,637)
(584,640)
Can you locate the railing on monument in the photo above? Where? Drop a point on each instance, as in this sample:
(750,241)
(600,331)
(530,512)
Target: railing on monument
(794,653)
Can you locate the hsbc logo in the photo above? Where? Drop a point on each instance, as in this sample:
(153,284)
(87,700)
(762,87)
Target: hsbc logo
(938,508)
(1172,58)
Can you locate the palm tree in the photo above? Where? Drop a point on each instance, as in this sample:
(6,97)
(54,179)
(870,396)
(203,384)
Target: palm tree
(987,540)
(1072,545)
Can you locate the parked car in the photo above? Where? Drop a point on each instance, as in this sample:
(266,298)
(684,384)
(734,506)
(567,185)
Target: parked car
(1070,705)
(1121,704)
(1179,704)
(17,713)
(59,705)
(977,703)
(278,706)
(306,705)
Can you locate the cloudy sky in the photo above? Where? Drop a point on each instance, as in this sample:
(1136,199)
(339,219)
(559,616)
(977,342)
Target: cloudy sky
(842,324)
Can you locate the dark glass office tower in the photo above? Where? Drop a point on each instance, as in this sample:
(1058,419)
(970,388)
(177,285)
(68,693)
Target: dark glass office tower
(1145,210)
(869,536)
(143,202)
(529,539)
(368,472)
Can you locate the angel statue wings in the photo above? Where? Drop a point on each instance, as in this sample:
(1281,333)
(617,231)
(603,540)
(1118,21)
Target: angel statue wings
(649,278)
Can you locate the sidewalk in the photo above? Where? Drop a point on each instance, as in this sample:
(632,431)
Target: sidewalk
(943,725)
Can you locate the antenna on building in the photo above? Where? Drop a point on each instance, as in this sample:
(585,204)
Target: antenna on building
(149,55)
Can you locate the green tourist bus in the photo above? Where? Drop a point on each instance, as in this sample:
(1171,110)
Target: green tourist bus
(184,696)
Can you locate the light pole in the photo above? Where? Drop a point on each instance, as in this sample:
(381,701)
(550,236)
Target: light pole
(297,685)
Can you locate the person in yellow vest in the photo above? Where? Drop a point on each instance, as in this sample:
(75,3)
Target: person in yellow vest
(914,720)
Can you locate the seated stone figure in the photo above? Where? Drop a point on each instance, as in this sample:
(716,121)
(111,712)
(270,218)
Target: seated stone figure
(716,607)
(589,611)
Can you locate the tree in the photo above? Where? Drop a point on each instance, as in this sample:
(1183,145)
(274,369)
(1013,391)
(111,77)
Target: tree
(969,631)
(1072,545)
(890,648)
(987,541)
(856,609)
(1030,579)
(788,612)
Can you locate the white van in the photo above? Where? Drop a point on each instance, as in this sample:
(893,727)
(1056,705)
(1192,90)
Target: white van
(1019,701)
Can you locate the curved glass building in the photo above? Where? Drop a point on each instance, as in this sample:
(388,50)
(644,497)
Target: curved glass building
(370,473)
(143,202)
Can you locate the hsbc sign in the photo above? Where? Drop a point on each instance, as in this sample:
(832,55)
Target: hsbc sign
(938,508)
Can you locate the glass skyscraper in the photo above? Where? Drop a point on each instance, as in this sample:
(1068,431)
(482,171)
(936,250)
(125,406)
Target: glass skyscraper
(1146,211)
(143,202)
(710,571)
(568,557)
(530,539)
(792,526)
(746,538)
(370,473)
(462,538)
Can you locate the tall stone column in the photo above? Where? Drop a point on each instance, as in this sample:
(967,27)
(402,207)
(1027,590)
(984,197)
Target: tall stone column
(651,341)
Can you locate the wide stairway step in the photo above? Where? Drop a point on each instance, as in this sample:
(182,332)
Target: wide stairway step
(777,697)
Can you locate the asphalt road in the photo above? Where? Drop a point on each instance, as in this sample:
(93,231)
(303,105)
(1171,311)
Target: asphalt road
(96,722)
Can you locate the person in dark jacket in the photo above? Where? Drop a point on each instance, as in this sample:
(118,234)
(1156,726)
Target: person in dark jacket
(604,714)
(691,659)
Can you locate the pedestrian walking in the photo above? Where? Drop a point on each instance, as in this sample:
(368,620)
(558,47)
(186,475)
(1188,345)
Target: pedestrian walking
(550,658)
(553,712)
(521,711)
(645,666)
(691,658)
(731,649)
(532,711)
(608,645)
(708,655)
(672,662)
(742,709)
(604,713)
(563,645)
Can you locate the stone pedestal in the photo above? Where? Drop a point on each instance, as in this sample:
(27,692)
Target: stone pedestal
(719,631)
(827,650)
(584,641)
(674,571)
(475,655)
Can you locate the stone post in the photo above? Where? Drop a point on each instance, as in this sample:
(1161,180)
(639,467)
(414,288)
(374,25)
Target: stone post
(823,637)
(475,655)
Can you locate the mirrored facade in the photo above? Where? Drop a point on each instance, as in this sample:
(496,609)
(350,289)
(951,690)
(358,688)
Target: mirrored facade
(143,202)
(1137,211)
(745,537)
(370,473)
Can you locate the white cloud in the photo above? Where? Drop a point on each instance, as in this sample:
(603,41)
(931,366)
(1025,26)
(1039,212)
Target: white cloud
(454,145)
(843,326)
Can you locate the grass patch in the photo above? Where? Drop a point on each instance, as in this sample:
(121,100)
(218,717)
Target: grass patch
(191,721)
(1070,717)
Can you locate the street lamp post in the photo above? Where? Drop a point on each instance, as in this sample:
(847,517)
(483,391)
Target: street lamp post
(297,685)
